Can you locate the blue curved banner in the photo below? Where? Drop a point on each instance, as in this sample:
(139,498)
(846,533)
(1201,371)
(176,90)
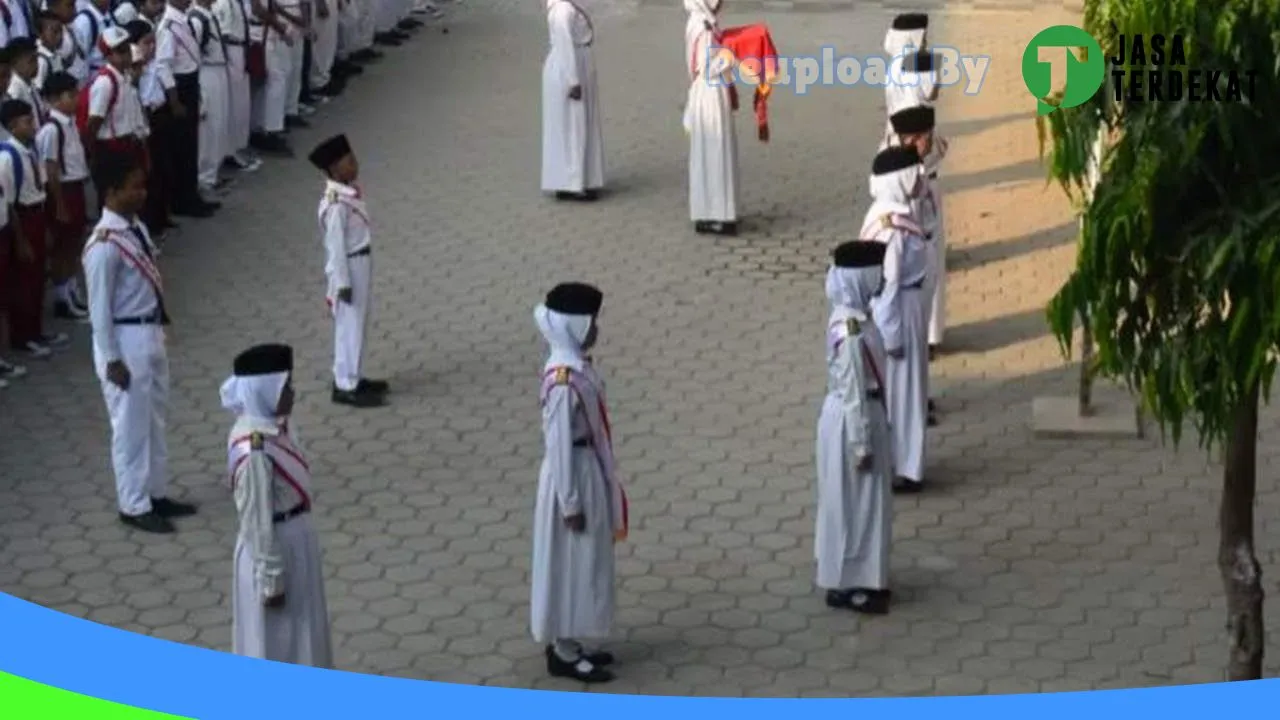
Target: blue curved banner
(98,662)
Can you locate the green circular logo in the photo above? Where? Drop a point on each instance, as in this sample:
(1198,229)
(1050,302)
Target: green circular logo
(1084,78)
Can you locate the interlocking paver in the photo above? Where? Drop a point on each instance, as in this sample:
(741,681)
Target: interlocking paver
(1030,565)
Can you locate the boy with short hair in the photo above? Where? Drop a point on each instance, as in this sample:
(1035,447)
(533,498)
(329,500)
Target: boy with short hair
(24,61)
(344,220)
(112,123)
(65,164)
(69,53)
(22,183)
(48,42)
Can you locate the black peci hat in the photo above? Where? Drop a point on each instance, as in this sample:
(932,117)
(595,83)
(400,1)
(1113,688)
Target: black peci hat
(911,21)
(859,254)
(264,360)
(893,159)
(913,120)
(329,152)
(575,299)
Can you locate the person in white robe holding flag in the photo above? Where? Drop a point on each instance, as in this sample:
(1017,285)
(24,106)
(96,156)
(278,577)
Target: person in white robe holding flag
(708,119)
(278,602)
(900,312)
(854,521)
(572,138)
(581,508)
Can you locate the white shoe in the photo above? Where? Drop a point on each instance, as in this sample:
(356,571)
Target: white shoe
(56,341)
(36,350)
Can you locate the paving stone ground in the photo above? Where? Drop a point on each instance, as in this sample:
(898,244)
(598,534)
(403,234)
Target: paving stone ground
(1030,565)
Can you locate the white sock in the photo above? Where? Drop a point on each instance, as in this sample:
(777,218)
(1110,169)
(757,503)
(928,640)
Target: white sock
(567,650)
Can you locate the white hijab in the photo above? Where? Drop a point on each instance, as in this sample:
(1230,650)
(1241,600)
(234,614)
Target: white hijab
(897,41)
(565,334)
(909,89)
(890,193)
(850,290)
(701,14)
(254,396)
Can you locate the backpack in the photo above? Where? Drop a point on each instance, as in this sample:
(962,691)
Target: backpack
(94,31)
(82,102)
(19,168)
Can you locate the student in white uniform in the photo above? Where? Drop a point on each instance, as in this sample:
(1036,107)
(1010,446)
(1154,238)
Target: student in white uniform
(92,20)
(708,119)
(24,66)
(233,19)
(277,591)
(270,96)
(347,233)
(581,508)
(572,140)
(178,51)
(854,519)
(215,101)
(127,311)
(62,152)
(48,43)
(73,60)
(900,311)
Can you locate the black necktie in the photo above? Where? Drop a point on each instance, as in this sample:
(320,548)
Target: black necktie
(145,244)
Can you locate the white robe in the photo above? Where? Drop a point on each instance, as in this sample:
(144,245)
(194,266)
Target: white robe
(854,521)
(928,211)
(273,557)
(713,140)
(573,593)
(901,314)
(572,138)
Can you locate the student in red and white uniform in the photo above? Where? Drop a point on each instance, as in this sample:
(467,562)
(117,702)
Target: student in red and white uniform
(62,153)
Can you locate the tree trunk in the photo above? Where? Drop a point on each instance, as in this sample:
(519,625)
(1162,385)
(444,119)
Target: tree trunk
(1241,574)
(1086,368)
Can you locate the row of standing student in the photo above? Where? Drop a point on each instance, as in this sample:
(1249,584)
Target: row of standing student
(195,89)
(871,430)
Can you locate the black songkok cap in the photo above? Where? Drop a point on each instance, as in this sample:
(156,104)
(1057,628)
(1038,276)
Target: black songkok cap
(911,21)
(893,159)
(859,254)
(574,299)
(11,110)
(264,360)
(919,62)
(329,152)
(913,120)
(137,30)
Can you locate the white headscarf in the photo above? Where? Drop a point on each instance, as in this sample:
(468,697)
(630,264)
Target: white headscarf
(897,41)
(565,334)
(701,15)
(853,288)
(254,396)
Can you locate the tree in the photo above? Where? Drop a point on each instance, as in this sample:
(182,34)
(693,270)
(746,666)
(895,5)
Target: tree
(1178,271)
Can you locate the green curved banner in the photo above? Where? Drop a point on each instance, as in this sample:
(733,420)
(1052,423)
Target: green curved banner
(22,699)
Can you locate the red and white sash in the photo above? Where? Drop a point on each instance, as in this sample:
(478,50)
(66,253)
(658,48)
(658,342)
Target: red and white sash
(286,460)
(135,256)
(597,416)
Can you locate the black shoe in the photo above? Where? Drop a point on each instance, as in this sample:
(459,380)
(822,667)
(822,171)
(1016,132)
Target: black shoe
(367,55)
(358,399)
(906,487)
(559,668)
(166,508)
(584,196)
(293,122)
(400,35)
(410,24)
(871,602)
(151,522)
(376,387)
(171,225)
(599,658)
(728,229)
(386,39)
(351,70)
(271,144)
(702,227)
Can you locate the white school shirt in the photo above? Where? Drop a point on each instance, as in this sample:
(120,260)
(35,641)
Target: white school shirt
(117,284)
(66,149)
(233,18)
(47,64)
(71,57)
(33,178)
(344,219)
(151,87)
(214,52)
(82,28)
(176,45)
(20,89)
(23,18)
(120,122)
(141,122)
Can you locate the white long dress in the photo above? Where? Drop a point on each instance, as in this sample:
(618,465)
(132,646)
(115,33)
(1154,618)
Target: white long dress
(572,139)
(935,225)
(713,140)
(572,593)
(276,554)
(902,316)
(854,523)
